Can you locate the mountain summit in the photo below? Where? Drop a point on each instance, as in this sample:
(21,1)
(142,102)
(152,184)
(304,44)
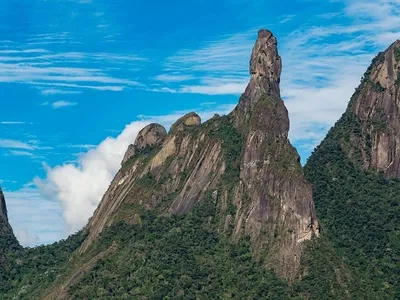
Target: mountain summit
(242,164)
(221,209)
(355,174)
(376,105)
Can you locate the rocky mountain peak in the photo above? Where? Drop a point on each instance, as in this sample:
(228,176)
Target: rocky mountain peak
(151,135)
(264,60)
(376,104)
(190,119)
(265,71)
(5,227)
(242,164)
(3,207)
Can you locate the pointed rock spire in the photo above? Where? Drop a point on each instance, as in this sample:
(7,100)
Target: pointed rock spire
(263,88)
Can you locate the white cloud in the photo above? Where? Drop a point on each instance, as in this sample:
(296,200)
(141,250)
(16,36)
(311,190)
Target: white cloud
(79,70)
(81,146)
(6,143)
(59,104)
(322,64)
(80,186)
(12,123)
(34,218)
(48,92)
(218,89)
(21,153)
(25,238)
(218,67)
(173,77)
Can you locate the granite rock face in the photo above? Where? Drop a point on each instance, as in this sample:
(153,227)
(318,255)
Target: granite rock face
(152,135)
(243,163)
(376,105)
(273,197)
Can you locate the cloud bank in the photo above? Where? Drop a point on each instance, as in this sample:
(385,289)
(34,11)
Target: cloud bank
(80,187)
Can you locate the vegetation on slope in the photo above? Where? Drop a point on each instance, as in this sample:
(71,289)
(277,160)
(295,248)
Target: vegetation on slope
(359,211)
(32,270)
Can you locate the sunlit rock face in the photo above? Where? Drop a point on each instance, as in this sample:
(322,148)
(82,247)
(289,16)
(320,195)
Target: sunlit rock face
(243,163)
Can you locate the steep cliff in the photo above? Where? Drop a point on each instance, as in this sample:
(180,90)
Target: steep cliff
(8,242)
(355,171)
(375,106)
(243,163)
(6,233)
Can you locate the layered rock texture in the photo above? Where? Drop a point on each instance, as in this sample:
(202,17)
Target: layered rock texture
(376,105)
(243,163)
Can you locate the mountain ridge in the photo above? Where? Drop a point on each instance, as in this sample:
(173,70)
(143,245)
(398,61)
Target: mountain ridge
(194,161)
(222,209)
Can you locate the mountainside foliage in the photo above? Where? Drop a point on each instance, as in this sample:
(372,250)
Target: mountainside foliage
(175,257)
(359,210)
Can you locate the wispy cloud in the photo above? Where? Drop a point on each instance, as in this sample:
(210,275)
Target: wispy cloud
(81,146)
(15,144)
(322,64)
(218,67)
(48,92)
(12,123)
(80,185)
(21,153)
(42,67)
(21,145)
(286,18)
(173,78)
(59,104)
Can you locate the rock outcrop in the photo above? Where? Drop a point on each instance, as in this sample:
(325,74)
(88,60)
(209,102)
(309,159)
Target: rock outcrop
(376,105)
(5,228)
(152,135)
(243,163)
(190,119)
(3,207)
(8,241)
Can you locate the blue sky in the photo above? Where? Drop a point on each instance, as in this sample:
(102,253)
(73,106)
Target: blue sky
(79,78)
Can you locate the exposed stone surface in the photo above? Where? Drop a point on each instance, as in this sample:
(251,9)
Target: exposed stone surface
(273,195)
(376,104)
(129,153)
(5,228)
(151,135)
(190,119)
(3,207)
(243,163)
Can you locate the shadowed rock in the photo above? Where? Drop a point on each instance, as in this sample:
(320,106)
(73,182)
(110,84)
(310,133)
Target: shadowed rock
(244,160)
